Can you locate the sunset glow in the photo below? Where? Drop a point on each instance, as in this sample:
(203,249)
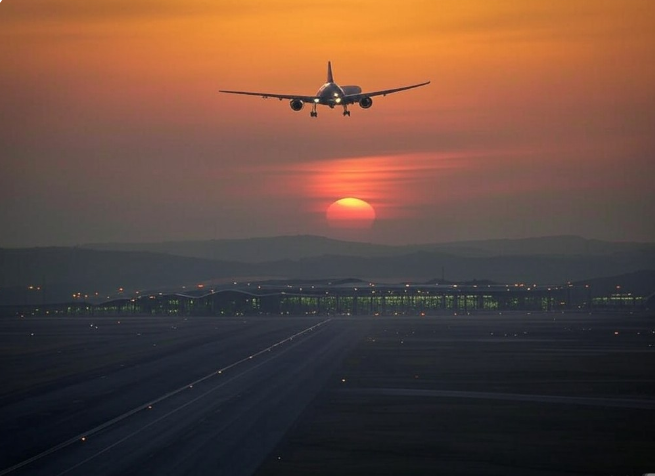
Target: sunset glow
(538,119)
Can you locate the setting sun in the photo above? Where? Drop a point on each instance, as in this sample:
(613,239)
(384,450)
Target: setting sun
(350,213)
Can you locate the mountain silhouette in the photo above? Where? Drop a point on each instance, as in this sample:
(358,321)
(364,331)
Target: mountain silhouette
(58,273)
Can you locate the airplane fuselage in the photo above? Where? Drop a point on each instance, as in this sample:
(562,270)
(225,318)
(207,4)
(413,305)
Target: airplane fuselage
(329,94)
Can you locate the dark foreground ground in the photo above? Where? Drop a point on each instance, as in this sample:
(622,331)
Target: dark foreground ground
(483,395)
(487,394)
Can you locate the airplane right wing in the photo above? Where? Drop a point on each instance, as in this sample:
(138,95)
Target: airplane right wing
(352,98)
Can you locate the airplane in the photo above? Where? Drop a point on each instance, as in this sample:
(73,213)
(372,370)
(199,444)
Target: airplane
(330,94)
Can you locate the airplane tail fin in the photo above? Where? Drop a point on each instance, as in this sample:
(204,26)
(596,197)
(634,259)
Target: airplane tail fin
(329,74)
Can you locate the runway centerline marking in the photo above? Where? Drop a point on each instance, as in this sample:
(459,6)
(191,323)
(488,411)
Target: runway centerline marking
(84,435)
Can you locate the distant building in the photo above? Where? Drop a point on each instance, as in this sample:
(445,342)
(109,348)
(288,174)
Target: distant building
(344,299)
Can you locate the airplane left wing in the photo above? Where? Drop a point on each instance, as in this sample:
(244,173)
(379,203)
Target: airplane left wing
(353,98)
(270,95)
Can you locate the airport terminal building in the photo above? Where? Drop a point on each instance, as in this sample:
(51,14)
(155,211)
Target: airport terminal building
(345,299)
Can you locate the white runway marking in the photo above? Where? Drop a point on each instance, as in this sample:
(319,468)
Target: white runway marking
(641,404)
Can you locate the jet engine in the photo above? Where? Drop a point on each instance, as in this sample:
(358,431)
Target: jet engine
(296,104)
(365,102)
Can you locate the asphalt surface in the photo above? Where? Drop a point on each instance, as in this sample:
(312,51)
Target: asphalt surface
(519,394)
(209,396)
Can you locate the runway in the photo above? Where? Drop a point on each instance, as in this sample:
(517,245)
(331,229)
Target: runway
(137,421)
(519,394)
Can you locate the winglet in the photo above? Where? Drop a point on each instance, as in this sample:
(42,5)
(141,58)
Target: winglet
(329,76)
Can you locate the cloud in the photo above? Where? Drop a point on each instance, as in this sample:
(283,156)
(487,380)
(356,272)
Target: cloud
(394,184)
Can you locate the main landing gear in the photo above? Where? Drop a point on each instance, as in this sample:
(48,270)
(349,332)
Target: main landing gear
(313,112)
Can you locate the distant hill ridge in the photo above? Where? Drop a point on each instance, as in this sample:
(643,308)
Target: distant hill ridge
(105,268)
(259,250)
(254,250)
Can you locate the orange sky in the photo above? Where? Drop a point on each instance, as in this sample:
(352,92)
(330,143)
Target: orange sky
(538,120)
